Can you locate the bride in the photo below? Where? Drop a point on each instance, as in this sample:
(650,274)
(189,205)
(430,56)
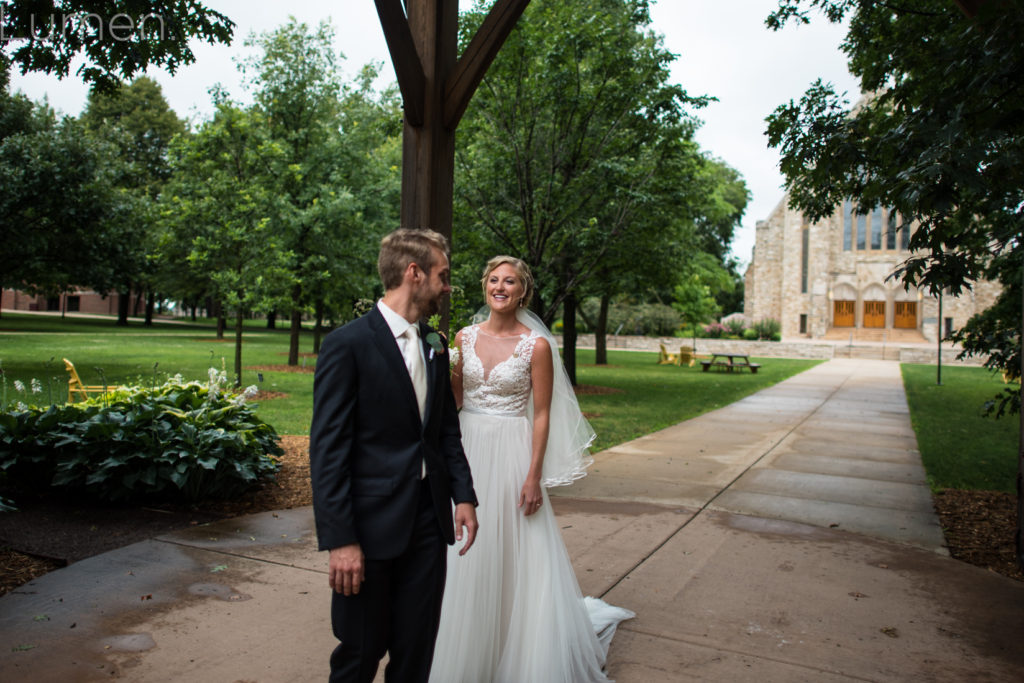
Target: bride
(512,610)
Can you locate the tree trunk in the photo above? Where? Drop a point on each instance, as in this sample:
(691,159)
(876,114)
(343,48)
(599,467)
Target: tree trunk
(1019,538)
(296,326)
(238,347)
(194,307)
(218,312)
(272,320)
(569,336)
(150,306)
(318,329)
(122,307)
(601,333)
(135,307)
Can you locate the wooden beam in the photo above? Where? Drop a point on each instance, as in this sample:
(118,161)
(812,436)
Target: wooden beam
(428,149)
(970,7)
(408,68)
(477,58)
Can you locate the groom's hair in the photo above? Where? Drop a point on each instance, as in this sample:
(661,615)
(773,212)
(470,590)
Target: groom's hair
(404,246)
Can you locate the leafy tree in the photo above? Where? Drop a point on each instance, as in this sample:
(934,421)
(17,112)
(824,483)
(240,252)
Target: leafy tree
(662,237)
(722,198)
(222,208)
(365,160)
(111,40)
(940,139)
(18,114)
(695,295)
(331,190)
(561,141)
(143,122)
(61,213)
(139,123)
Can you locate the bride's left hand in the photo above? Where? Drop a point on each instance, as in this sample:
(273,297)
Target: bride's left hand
(530,498)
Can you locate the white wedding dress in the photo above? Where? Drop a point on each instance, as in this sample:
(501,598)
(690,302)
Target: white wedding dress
(512,609)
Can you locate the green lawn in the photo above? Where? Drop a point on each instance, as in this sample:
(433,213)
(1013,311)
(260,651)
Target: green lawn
(128,354)
(648,396)
(656,396)
(960,447)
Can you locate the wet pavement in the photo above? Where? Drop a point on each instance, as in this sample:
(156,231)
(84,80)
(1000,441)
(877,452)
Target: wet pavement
(787,537)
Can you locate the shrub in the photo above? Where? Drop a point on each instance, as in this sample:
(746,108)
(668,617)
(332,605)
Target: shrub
(736,326)
(768,328)
(750,334)
(628,318)
(177,441)
(714,330)
(658,320)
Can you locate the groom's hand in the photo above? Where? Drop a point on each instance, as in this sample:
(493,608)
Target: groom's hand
(345,569)
(465,516)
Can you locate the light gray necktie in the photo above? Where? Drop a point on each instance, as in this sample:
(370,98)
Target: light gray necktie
(414,361)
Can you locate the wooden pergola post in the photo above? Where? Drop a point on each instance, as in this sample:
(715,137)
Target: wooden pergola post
(436,86)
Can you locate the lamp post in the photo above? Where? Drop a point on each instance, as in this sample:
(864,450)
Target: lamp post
(938,334)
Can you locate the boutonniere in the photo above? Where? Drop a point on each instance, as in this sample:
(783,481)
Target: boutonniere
(434,339)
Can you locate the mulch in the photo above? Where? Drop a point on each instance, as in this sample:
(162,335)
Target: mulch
(979,528)
(283,368)
(591,389)
(269,395)
(47,533)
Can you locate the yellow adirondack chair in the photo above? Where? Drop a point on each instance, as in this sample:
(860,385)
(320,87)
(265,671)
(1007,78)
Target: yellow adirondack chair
(685,357)
(76,388)
(666,358)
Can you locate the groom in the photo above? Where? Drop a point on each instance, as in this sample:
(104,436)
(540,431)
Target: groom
(386,463)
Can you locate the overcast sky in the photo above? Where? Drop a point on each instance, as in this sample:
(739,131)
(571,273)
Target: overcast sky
(723,49)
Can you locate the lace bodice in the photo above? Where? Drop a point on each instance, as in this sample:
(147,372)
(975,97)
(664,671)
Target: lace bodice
(496,372)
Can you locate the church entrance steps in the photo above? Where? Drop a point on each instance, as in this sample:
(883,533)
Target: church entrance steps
(867,352)
(854,335)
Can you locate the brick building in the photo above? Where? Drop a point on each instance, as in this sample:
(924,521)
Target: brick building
(830,280)
(78,301)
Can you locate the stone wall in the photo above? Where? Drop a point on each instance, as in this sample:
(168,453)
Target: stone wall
(789,348)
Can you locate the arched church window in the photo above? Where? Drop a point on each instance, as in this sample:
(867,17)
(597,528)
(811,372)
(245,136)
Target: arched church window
(890,231)
(876,228)
(847,225)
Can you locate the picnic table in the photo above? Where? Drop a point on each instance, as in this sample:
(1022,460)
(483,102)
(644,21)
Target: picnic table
(729,362)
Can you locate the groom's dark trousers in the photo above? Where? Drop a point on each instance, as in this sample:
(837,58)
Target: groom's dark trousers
(368,447)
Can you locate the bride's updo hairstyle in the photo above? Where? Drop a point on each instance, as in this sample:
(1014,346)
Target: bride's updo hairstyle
(522,270)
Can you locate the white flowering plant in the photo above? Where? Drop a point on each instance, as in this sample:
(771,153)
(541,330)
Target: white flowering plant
(178,440)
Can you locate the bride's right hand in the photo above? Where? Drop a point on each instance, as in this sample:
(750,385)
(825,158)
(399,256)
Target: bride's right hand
(530,497)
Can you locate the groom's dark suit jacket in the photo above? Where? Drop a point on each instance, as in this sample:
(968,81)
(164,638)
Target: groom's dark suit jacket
(367,441)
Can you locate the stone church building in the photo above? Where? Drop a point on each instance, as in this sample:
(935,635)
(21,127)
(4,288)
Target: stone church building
(830,280)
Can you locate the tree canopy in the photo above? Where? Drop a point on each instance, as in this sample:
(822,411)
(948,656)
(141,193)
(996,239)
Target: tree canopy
(939,137)
(338,167)
(137,122)
(561,144)
(113,41)
(61,214)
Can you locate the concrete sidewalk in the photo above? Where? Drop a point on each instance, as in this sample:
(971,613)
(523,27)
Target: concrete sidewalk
(787,537)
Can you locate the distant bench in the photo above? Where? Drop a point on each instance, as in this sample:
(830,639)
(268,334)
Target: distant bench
(729,362)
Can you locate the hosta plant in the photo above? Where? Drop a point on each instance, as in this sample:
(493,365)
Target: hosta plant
(179,441)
